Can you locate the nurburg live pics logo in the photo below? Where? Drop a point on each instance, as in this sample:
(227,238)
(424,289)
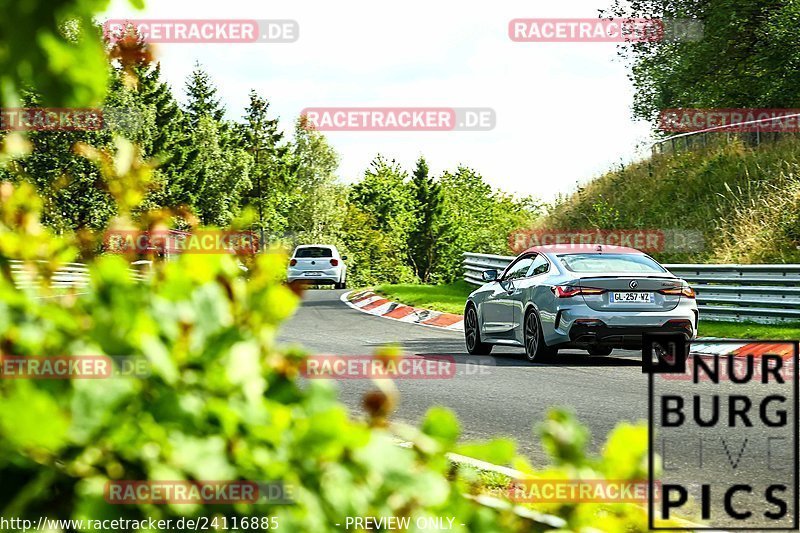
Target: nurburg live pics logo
(727,434)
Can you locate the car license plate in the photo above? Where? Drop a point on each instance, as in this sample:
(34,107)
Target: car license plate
(631,297)
(313,273)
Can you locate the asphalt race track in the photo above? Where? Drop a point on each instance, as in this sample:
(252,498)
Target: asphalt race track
(503,398)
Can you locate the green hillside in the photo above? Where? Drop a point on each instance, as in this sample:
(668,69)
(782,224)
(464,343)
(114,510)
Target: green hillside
(745,200)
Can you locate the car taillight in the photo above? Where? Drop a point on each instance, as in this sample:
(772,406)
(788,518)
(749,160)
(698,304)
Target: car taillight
(568,291)
(562,291)
(680,291)
(293,262)
(334,262)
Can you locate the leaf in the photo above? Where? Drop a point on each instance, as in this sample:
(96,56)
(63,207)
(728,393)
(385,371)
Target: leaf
(499,451)
(204,458)
(31,419)
(95,403)
(441,424)
(625,452)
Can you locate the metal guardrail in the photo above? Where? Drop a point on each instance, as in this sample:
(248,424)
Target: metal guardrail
(760,293)
(700,137)
(68,275)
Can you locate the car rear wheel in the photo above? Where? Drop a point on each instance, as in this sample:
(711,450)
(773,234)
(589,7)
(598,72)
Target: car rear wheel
(600,350)
(535,348)
(472,334)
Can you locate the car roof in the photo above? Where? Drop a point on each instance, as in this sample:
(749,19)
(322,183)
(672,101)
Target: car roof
(582,248)
(315,246)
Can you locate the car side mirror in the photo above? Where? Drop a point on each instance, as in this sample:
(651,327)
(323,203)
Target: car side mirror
(344,258)
(489,275)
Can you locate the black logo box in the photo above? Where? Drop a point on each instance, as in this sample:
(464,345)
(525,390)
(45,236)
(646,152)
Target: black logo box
(678,365)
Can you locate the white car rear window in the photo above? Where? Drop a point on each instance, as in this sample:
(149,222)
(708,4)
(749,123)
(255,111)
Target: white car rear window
(313,252)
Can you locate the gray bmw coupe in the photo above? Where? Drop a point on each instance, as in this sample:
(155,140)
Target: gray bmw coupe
(592,297)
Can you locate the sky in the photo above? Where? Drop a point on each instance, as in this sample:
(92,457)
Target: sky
(563,109)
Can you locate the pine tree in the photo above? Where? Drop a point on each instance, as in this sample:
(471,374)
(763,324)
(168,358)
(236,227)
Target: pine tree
(202,98)
(219,174)
(171,140)
(260,136)
(71,186)
(422,241)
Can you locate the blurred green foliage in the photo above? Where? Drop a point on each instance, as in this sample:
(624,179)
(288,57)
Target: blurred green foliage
(54,47)
(623,458)
(221,401)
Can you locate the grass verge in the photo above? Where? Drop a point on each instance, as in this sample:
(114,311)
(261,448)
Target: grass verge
(750,330)
(450,298)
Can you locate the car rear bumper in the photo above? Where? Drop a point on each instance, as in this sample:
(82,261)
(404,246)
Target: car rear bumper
(630,337)
(330,275)
(581,327)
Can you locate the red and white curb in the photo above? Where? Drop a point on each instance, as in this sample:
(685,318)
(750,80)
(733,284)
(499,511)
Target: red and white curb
(756,349)
(375,304)
(369,302)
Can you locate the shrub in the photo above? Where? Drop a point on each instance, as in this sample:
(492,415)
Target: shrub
(221,403)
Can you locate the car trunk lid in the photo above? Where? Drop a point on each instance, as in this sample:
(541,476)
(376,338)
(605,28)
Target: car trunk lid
(312,263)
(631,292)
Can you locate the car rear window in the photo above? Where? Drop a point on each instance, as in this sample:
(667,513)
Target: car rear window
(314,252)
(633,263)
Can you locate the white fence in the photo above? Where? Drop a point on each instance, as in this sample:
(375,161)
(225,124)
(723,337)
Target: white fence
(68,275)
(761,293)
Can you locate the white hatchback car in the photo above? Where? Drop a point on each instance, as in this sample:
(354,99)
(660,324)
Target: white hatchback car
(317,264)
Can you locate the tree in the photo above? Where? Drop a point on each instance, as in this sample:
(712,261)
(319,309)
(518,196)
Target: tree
(748,56)
(318,202)
(202,98)
(475,217)
(385,197)
(261,138)
(385,194)
(171,141)
(71,186)
(423,239)
(221,175)
(149,115)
